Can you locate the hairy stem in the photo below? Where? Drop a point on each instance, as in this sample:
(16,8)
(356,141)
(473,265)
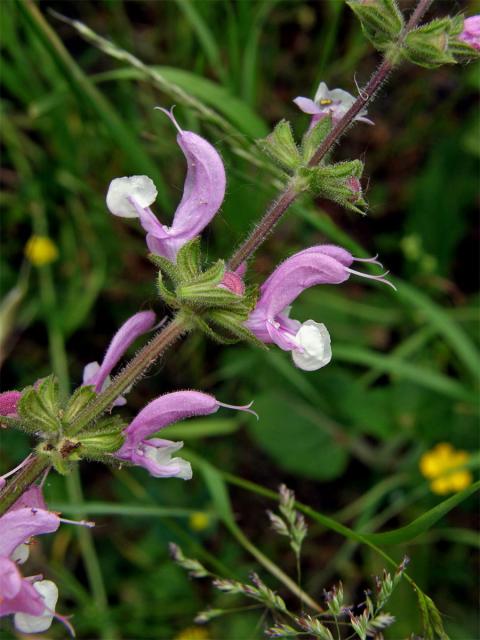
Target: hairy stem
(20,482)
(136,368)
(366,94)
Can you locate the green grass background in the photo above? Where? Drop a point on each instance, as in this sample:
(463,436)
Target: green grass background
(347,438)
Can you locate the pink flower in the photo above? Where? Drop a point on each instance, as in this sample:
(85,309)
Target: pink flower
(99,375)
(334,103)
(471,32)
(233,282)
(154,453)
(270,320)
(8,403)
(203,193)
(31,600)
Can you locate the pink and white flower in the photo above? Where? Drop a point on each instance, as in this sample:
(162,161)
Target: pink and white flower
(155,454)
(203,194)
(270,320)
(334,103)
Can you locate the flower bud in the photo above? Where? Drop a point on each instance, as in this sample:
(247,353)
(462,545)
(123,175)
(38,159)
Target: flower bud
(339,182)
(428,45)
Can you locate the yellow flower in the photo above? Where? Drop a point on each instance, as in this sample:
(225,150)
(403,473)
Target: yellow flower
(439,464)
(193,633)
(199,521)
(41,250)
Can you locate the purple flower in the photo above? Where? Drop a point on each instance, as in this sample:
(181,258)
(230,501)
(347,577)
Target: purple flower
(471,32)
(203,193)
(155,454)
(8,403)
(270,320)
(335,103)
(99,375)
(31,600)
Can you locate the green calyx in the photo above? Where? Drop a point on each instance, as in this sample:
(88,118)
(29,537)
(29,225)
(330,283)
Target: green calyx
(280,145)
(202,299)
(381,21)
(436,43)
(43,414)
(339,182)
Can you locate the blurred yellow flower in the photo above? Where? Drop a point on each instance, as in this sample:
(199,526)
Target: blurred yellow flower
(193,633)
(438,466)
(199,521)
(40,250)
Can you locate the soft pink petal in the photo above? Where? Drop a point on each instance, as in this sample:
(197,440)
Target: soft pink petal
(307,105)
(18,526)
(163,411)
(8,402)
(127,334)
(32,497)
(203,194)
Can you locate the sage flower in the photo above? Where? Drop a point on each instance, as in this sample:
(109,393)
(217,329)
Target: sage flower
(31,600)
(203,193)
(471,32)
(334,103)
(99,374)
(270,321)
(155,454)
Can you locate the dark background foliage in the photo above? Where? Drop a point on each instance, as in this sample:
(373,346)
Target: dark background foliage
(347,438)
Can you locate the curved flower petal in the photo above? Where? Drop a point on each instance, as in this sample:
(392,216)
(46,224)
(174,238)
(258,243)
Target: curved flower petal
(294,275)
(17,593)
(322,92)
(203,193)
(307,105)
(133,328)
(163,411)
(19,525)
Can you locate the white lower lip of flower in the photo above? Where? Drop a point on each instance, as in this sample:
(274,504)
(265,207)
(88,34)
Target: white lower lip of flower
(20,554)
(26,623)
(314,350)
(141,188)
(162,457)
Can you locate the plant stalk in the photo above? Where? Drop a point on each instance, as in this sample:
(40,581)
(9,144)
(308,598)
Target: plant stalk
(278,208)
(136,368)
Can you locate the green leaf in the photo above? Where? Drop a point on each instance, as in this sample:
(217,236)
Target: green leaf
(444,324)
(126,510)
(201,428)
(296,443)
(397,366)
(424,522)
(217,489)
